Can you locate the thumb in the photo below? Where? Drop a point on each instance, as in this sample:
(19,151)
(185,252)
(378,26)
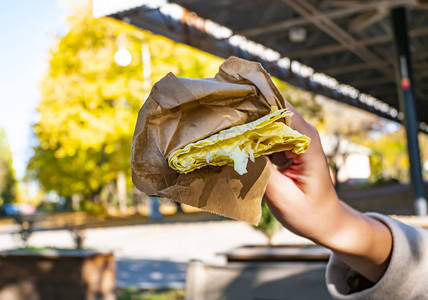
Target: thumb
(278,182)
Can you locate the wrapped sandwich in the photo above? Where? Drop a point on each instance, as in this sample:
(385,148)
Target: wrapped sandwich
(235,145)
(202,142)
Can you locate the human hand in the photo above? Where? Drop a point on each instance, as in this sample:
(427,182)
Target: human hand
(302,197)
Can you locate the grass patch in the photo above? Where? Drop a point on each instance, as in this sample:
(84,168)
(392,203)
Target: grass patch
(158,294)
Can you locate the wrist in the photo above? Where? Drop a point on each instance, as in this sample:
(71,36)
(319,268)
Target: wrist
(358,235)
(362,242)
(349,231)
(337,227)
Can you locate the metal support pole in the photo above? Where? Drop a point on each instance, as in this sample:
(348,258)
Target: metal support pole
(407,105)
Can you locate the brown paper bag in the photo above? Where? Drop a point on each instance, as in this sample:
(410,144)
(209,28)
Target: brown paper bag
(180,111)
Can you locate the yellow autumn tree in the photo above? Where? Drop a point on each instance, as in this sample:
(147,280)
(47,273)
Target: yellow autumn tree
(8,182)
(390,158)
(90,103)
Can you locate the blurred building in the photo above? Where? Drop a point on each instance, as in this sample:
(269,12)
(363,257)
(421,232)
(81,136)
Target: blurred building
(352,160)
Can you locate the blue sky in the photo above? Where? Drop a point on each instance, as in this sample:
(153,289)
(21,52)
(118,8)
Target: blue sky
(28,30)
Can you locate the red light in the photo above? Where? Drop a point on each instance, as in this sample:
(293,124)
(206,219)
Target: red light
(405,83)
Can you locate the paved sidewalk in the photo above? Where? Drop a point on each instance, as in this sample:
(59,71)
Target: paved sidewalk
(156,255)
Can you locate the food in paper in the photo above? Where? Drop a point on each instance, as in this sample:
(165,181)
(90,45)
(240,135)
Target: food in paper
(236,145)
(182,111)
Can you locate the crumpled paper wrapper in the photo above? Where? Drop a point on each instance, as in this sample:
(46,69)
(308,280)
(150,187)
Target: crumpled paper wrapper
(180,111)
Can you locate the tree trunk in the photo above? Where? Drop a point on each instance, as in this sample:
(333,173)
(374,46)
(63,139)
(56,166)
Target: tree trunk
(270,240)
(121,191)
(75,202)
(110,197)
(336,177)
(136,197)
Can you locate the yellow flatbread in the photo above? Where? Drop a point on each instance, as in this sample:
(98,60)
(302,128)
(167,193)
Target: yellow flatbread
(235,145)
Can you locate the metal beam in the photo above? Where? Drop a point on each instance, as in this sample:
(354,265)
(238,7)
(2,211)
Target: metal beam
(348,3)
(213,14)
(366,42)
(422,6)
(268,13)
(185,32)
(328,26)
(184,2)
(308,11)
(421,66)
(367,19)
(420,55)
(283,25)
(407,105)
(347,69)
(422,74)
(157,22)
(332,14)
(365,82)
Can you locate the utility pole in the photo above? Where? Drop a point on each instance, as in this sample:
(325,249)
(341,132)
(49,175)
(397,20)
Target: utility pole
(406,99)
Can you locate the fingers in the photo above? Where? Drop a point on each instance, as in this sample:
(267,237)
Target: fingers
(299,124)
(273,170)
(282,160)
(297,121)
(275,173)
(279,159)
(273,177)
(277,184)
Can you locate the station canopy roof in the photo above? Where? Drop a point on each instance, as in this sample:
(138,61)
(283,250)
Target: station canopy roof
(341,49)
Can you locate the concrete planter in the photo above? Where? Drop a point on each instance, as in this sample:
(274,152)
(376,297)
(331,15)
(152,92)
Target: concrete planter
(56,274)
(278,253)
(261,272)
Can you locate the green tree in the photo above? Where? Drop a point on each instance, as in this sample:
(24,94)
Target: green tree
(423,142)
(7,174)
(305,102)
(392,160)
(268,224)
(90,103)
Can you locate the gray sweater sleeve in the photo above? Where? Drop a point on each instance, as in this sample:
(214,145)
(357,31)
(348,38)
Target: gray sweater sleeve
(405,278)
